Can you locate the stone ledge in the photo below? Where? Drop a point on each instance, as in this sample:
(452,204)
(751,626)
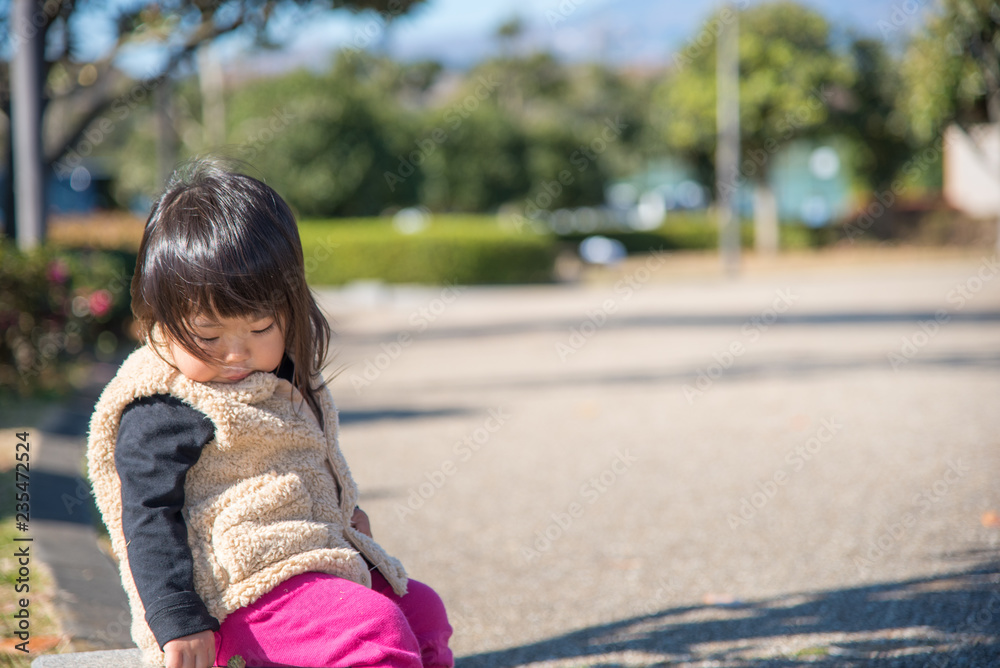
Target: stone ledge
(115,658)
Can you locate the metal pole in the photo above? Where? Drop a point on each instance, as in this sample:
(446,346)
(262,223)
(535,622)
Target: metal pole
(213,104)
(727,151)
(26,126)
(166,135)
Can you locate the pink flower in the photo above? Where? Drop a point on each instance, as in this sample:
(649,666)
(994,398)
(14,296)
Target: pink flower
(100,303)
(57,272)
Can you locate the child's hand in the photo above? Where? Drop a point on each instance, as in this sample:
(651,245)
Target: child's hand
(194,651)
(359,520)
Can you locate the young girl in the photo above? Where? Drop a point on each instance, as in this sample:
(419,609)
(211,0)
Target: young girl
(214,459)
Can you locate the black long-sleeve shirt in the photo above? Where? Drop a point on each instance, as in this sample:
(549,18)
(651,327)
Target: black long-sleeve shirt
(159,439)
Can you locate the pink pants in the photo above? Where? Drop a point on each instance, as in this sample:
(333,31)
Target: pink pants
(316,620)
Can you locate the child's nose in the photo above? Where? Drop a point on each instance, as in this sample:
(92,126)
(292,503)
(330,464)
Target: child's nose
(236,352)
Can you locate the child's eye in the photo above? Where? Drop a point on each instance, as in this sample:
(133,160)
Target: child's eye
(265,330)
(202,339)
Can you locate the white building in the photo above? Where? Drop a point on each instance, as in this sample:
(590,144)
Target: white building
(972,170)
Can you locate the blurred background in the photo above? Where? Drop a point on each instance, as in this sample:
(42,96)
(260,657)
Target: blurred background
(657,187)
(505,134)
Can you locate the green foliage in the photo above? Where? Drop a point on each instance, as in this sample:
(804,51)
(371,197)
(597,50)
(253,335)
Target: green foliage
(880,140)
(699,231)
(452,249)
(59,310)
(326,141)
(370,135)
(952,68)
(479,163)
(786,68)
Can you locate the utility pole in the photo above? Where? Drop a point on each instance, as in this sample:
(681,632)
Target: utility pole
(727,149)
(26,127)
(211,81)
(166,135)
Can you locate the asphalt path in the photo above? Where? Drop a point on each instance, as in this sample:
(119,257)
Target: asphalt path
(650,467)
(656,465)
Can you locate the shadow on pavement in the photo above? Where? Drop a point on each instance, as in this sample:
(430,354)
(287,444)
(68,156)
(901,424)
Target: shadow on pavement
(741,371)
(360,416)
(681,320)
(947,620)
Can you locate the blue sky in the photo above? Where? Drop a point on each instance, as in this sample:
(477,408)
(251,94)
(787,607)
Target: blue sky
(460,26)
(460,32)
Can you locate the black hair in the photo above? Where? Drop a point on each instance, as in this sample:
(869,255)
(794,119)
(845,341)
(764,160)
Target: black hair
(221,243)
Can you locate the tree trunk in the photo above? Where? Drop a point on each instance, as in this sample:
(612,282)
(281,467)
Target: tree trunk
(765,219)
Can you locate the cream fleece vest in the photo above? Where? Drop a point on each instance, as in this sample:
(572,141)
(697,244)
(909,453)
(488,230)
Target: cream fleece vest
(271,496)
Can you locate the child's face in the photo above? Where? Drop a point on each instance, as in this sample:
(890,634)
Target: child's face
(238,346)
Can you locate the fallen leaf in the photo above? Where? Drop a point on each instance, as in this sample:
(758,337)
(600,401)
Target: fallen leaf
(35,644)
(719,599)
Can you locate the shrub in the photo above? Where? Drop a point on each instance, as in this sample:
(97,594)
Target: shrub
(60,310)
(451,249)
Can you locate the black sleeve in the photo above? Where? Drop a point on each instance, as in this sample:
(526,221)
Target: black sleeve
(159,439)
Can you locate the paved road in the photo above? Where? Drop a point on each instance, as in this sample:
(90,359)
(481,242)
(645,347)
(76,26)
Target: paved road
(659,466)
(798,466)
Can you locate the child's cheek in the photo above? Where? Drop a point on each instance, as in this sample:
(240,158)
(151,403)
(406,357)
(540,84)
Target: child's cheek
(192,367)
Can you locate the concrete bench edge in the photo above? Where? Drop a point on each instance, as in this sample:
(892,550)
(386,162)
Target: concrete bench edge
(113,658)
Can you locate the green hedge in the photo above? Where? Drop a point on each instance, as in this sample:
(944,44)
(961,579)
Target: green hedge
(698,231)
(451,249)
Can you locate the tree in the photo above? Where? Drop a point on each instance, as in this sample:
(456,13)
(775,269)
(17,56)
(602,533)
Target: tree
(352,149)
(952,73)
(871,117)
(508,33)
(787,68)
(91,96)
